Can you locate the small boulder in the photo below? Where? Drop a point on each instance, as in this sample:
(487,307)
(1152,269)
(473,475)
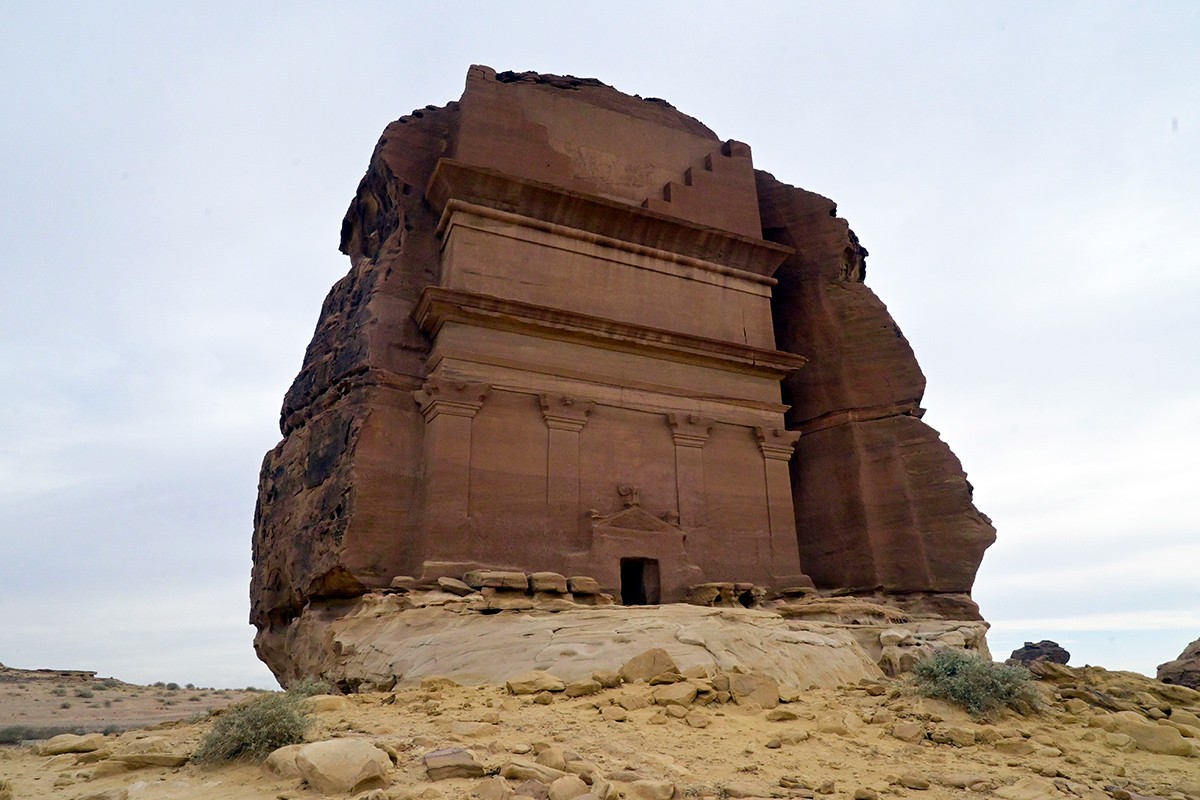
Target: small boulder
(751,688)
(746,789)
(1044,650)
(582,584)
(647,665)
(518,769)
(341,766)
(675,694)
(567,787)
(896,636)
(607,678)
(582,688)
(650,790)
(548,582)
(281,763)
(497,579)
(533,682)
(908,731)
(553,757)
(451,762)
(71,743)
(455,586)
(150,751)
(493,788)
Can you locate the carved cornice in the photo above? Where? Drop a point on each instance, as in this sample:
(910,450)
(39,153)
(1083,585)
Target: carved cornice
(565,413)
(776,443)
(439,305)
(601,220)
(453,398)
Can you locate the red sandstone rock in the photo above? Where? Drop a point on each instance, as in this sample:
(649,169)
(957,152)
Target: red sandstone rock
(559,349)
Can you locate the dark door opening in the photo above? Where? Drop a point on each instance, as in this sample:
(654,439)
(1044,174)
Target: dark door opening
(639,581)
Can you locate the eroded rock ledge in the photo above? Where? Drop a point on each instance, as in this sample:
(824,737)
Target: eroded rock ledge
(488,633)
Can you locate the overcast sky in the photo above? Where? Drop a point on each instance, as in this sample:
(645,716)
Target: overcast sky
(1026,177)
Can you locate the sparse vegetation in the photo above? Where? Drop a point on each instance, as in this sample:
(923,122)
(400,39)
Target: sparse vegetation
(84,693)
(309,687)
(15,734)
(978,685)
(253,729)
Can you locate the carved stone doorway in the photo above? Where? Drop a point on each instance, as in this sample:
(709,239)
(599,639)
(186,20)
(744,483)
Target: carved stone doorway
(640,584)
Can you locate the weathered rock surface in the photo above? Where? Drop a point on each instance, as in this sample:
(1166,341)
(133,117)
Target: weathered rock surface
(442,425)
(370,651)
(1185,670)
(889,498)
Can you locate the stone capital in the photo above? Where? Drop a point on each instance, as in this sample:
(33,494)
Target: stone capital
(453,398)
(565,413)
(690,430)
(776,443)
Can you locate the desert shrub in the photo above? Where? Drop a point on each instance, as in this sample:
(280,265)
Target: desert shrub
(15,734)
(173,686)
(978,685)
(84,693)
(108,683)
(253,729)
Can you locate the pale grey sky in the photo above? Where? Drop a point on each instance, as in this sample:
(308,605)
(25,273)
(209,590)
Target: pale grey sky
(1025,175)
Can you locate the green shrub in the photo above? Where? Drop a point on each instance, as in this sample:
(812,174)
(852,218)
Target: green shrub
(253,729)
(15,734)
(978,685)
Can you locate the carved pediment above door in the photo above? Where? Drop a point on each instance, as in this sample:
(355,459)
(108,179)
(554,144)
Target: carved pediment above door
(635,518)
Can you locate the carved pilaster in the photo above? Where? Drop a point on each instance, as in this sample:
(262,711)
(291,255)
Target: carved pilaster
(565,417)
(565,413)
(690,432)
(448,407)
(777,446)
(441,395)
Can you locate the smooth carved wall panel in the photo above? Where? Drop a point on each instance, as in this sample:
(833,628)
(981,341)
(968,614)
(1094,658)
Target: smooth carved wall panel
(520,263)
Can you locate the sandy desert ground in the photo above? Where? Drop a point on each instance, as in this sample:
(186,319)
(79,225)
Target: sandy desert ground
(866,741)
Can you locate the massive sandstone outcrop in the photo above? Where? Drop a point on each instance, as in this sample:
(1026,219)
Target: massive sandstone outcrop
(582,335)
